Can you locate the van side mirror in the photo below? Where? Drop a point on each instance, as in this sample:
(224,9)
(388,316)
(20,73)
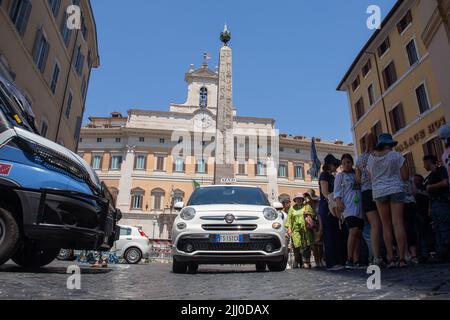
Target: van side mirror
(277,205)
(178,205)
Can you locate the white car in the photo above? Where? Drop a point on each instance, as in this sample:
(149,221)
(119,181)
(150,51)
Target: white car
(229,224)
(133,244)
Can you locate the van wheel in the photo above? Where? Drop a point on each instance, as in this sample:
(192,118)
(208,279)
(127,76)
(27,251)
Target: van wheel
(278,266)
(179,267)
(260,267)
(9,235)
(132,255)
(31,256)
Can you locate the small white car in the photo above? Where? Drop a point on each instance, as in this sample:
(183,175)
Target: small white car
(133,244)
(229,224)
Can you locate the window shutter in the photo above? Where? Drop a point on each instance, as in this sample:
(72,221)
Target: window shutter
(392,120)
(58,4)
(44,61)
(25,12)
(401,116)
(78,128)
(37,41)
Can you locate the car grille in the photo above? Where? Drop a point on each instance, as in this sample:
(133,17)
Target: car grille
(247,245)
(229,227)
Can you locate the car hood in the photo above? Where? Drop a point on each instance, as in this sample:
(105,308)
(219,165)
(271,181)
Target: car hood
(26,135)
(221,209)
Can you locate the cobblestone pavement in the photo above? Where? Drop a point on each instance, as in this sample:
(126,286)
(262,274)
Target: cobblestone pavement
(155,281)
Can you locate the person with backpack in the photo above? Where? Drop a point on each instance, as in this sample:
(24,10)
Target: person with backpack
(348,197)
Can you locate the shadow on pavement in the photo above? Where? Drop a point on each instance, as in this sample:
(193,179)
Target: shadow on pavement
(11,268)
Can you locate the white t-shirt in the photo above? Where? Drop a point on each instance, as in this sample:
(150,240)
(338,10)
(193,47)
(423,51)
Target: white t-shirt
(345,188)
(385,174)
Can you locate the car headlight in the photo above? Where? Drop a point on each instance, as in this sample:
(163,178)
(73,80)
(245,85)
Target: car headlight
(270,214)
(187,213)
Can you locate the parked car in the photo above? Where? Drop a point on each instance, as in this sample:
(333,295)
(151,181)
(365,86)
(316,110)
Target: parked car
(50,198)
(229,224)
(132,245)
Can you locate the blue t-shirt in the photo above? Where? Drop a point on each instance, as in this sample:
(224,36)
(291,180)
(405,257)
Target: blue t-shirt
(328,177)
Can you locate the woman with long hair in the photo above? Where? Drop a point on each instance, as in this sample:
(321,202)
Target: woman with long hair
(369,206)
(389,172)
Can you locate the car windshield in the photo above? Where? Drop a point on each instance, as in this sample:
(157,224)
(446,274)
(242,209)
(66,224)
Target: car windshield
(228,195)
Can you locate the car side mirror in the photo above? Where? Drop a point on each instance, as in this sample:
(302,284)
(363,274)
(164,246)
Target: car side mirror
(178,205)
(277,205)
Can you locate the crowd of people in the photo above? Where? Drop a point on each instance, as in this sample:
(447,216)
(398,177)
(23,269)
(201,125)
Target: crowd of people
(373,211)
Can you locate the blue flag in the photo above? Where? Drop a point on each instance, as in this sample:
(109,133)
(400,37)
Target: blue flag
(315,167)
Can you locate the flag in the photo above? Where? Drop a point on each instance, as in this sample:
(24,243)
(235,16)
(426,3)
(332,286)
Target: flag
(315,167)
(196,184)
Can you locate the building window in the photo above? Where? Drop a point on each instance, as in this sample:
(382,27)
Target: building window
(411,165)
(371,93)
(55,78)
(201,166)
(359,109)
(178,165)
(20,14)
(118,140)
(363,143)
(84,88)
(140,162)
(367,67)
(299,172)
(141,139)
(54,6)
(384,47)
(84,30)
(44,128)
(160,163)
(404,23)
(40,50)
(389,75)
(413,55)
(397,117)
(65,32)
(136,201)
(297,150)
(356,83)
(96,162)
(116,162)
(79,61)
(99,140)
(157,195)
(241,168)
(203,97)
(422,98)
(260,169)
(434,147)
(69,105)
(282,171)
(377,130)
(162,141)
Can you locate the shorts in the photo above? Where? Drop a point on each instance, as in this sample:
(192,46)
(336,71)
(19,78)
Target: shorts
(395,197)
(354,222)
(368,204)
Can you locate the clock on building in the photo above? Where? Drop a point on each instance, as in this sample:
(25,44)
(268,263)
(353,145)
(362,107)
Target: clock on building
(203,121)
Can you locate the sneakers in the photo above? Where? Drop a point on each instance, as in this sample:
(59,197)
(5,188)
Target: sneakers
(349,265)
(337,267)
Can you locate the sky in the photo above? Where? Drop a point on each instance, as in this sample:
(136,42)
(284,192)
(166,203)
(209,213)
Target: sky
(288,56)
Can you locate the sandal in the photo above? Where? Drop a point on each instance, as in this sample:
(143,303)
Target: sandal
(402,263)
(392,264)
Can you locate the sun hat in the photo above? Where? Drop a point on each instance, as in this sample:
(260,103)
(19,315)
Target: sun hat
(330,159)
(385,139)
(299,195)
(444,132)
(312,194)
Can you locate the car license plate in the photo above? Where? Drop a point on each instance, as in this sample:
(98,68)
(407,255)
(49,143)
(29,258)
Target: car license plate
(229,238)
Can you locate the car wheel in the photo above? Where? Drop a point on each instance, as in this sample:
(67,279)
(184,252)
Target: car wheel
(65,255)
(179,267)
(29,255)
(260,267)
(9,235)
(192,268)
(278,266)
(133,255)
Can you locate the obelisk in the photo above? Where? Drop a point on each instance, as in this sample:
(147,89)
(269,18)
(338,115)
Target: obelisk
(224,164)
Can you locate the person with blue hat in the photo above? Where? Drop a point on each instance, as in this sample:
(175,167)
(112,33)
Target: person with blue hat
(389,172)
